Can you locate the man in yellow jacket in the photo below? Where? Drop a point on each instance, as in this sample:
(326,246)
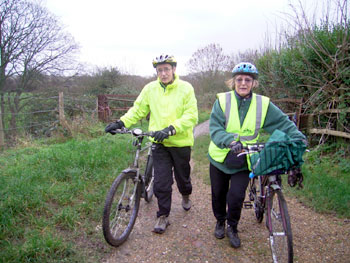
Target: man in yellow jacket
(172,105)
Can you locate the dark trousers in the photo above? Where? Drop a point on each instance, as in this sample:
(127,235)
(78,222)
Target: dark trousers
(165,161)
(228,189)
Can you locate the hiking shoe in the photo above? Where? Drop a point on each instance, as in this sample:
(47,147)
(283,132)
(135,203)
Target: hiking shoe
(161,224)
(220,229)
(233,237)
(186,202)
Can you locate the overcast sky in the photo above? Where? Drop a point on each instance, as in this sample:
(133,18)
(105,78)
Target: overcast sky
(129,34)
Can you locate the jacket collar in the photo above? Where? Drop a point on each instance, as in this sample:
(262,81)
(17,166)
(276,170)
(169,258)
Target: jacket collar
(241,98)
(172,84)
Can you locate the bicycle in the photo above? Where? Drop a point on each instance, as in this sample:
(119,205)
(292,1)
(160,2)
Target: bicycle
(265,192)
(123,199)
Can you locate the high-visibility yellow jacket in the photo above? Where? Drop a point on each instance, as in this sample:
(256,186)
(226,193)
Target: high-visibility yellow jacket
(274,119)
(249,131)
(174,104)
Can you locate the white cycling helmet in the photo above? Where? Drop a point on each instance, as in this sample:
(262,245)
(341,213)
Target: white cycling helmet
(164,59)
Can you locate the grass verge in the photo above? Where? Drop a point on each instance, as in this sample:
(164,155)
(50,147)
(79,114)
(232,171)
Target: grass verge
(326,182)
(52,197)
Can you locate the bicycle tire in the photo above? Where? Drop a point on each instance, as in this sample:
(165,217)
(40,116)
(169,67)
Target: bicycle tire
(280,231)
(121,208)
(257,202)
(149,179)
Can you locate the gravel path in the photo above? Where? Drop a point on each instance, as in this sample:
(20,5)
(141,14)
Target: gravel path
(189,238)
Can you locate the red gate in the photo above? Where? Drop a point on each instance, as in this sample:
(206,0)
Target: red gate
(106,106)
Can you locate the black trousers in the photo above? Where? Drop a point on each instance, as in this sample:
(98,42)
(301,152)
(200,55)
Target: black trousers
(228,190)
(165,161)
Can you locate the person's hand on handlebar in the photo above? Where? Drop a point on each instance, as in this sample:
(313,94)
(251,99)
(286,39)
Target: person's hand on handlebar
(114,126)
(159,136)
(236,147)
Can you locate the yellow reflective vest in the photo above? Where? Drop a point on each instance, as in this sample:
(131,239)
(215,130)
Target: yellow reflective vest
(174,105)
(249,131)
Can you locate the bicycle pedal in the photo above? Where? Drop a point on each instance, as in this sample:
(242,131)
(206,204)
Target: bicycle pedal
(247,205)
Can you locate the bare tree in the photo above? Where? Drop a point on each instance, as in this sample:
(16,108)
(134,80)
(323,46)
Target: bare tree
(209,60)
(32,43)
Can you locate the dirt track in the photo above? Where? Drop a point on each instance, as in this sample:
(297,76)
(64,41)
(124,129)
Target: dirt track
(189,238)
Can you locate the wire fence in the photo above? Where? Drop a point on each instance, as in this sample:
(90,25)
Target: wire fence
(40,115)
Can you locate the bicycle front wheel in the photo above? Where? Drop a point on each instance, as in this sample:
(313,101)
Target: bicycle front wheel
(149,179)
(121,208)
(278,223)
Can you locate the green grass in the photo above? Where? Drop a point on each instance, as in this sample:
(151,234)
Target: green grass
(203,115)
(199,154)
(51,199)
(326,182)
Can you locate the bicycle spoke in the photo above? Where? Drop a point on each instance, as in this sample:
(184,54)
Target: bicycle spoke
(121,209)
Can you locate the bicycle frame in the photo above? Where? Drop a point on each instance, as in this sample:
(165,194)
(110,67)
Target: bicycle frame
(135,166)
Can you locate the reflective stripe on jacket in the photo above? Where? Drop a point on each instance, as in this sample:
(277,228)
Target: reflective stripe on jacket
(174,104)
(253,122)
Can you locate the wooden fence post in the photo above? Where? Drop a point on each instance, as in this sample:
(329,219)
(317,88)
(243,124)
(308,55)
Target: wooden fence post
(62,118)
(2,132)
(102,108)
(61,107)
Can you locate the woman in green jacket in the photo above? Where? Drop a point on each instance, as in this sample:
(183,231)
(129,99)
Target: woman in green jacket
(237,117)
(172,105)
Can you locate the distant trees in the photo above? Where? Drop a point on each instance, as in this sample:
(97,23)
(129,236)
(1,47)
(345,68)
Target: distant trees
(209,67)
(209,60)
(32,43)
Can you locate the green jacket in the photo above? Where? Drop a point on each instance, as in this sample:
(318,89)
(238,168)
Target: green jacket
(174,104)
(275,119)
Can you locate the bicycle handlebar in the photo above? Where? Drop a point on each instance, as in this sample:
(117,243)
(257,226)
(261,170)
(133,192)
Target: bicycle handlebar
(258,147)
(136,132)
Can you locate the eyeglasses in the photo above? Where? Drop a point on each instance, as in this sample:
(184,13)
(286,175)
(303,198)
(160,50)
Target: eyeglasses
(246,80)
(161,70)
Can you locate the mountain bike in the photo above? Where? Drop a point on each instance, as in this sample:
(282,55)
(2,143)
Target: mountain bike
(123,199)
(266,197)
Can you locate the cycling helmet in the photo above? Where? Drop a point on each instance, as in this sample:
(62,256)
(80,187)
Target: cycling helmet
(245,68)
(164,59)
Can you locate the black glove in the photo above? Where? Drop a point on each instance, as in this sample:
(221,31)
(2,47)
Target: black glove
(114,126)
(295,177)
(159,136)
(236,147)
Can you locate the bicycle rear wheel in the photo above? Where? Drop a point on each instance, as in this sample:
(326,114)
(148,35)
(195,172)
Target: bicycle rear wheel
(121,208)
(255,197)
(149,179)
(278,222)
